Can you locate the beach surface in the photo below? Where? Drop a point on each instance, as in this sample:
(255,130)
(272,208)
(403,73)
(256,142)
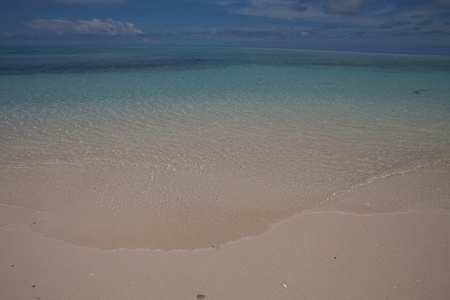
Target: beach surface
(223,173)
(352,250)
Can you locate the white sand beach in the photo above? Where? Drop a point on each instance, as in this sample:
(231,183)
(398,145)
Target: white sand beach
(316,255)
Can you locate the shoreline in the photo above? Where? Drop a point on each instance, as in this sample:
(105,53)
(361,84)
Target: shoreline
(59,203)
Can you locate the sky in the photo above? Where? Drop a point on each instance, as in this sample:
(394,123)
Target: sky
(416,26)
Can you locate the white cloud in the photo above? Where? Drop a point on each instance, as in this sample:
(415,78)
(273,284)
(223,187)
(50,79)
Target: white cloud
(380,16)
(109,27)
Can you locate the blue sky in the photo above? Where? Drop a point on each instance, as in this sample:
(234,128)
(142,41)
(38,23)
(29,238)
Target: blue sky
(421,26)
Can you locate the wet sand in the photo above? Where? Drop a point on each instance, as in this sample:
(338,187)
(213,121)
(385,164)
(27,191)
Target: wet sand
(325,254)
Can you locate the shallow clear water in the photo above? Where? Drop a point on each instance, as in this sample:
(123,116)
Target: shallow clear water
(225,127)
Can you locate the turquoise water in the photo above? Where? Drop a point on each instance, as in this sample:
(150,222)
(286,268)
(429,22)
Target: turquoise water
(95,102)
(231,127)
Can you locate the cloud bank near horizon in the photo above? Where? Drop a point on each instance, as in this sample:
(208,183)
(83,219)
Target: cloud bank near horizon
(109,27)
(405,26)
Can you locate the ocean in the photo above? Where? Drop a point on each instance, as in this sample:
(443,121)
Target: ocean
(151,145)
